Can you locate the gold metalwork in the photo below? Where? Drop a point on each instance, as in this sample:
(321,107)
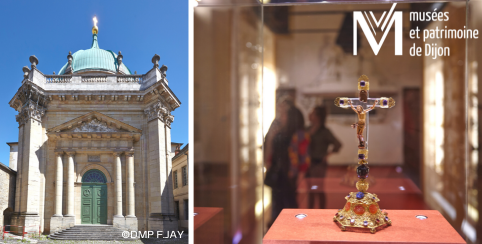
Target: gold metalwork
(362,162)
(358,210)
(337,102)
(367,83)
(95,29)
(345,102)
(362,185)
(361,209)
(364,152)
(391,103)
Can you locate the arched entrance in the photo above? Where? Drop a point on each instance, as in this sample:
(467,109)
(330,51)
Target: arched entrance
(7,216)
(94,197)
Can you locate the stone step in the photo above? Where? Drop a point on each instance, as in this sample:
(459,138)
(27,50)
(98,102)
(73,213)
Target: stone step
(97,239)
(93,230)
(87,237)
(90,232)
(84,234)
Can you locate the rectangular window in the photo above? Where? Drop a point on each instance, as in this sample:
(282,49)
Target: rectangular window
(184,176)
(176,205)
(186,209)
(175,179)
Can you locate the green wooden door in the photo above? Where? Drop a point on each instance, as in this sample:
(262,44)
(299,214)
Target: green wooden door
(94,198)
(94,204)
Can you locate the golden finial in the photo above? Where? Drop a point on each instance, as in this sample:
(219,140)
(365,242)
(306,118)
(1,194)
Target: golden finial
(95,29)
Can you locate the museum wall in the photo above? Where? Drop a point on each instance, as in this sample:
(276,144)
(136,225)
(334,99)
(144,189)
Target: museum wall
(474,71)
(227,118)
(236,91)
(310,61)
(448,130)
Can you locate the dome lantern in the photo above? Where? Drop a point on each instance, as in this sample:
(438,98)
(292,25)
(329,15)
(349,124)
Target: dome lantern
(95,29)
(94,59)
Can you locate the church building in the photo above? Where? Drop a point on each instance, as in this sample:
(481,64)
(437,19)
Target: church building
(94,145)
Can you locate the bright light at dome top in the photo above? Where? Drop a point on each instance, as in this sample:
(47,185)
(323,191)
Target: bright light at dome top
(95,21)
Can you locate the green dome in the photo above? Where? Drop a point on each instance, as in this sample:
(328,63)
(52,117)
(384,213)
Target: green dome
(95,59)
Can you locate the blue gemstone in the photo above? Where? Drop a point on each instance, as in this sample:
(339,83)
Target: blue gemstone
(386,218)
(361,156)
(365,223)
(360,195)
(362,83)
(385,102)
(342,102)
(348,195)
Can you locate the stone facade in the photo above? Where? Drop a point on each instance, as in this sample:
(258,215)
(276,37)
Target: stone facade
(12,163)
(7,194)
(116,123)
(181,189)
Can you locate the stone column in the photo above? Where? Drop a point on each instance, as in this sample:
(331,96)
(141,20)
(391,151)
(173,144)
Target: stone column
(32,140)
(18,189)
(56,221)
(70,184)
(161,203)
(130,185)
(131,219)
(59,183)
(118,186)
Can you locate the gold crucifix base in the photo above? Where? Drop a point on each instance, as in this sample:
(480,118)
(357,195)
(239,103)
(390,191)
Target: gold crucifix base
(361,211)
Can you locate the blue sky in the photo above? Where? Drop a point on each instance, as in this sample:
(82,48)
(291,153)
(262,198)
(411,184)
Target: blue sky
(50,29)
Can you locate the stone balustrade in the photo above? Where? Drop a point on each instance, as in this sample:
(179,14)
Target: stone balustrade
(58,79)
(94,79)
(130,79)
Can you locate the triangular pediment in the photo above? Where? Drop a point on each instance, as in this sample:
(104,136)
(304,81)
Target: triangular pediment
(94,122)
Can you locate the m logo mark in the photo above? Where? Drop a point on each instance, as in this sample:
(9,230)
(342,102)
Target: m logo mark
(387,25)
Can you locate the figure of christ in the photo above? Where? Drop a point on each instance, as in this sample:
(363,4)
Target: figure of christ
(360,125)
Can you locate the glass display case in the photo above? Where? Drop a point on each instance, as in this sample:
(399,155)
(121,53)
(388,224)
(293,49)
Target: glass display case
(261,68)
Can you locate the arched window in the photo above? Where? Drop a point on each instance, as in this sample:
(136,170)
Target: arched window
(94,176)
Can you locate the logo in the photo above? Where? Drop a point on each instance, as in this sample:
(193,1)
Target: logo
(391,18)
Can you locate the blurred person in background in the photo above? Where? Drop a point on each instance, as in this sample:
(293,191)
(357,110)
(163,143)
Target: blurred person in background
(321,140)
(286,156)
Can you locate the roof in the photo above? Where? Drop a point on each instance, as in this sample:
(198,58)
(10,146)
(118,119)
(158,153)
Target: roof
(7,169)
(182,152)
(95,59)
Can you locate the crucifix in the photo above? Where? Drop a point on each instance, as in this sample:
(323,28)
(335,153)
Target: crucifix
(361,209)
(361,106)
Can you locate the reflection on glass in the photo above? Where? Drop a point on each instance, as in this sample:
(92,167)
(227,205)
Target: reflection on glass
(268,135)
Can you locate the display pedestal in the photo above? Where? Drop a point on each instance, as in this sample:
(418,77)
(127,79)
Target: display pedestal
(394,193)
(318,227)
(208,225)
